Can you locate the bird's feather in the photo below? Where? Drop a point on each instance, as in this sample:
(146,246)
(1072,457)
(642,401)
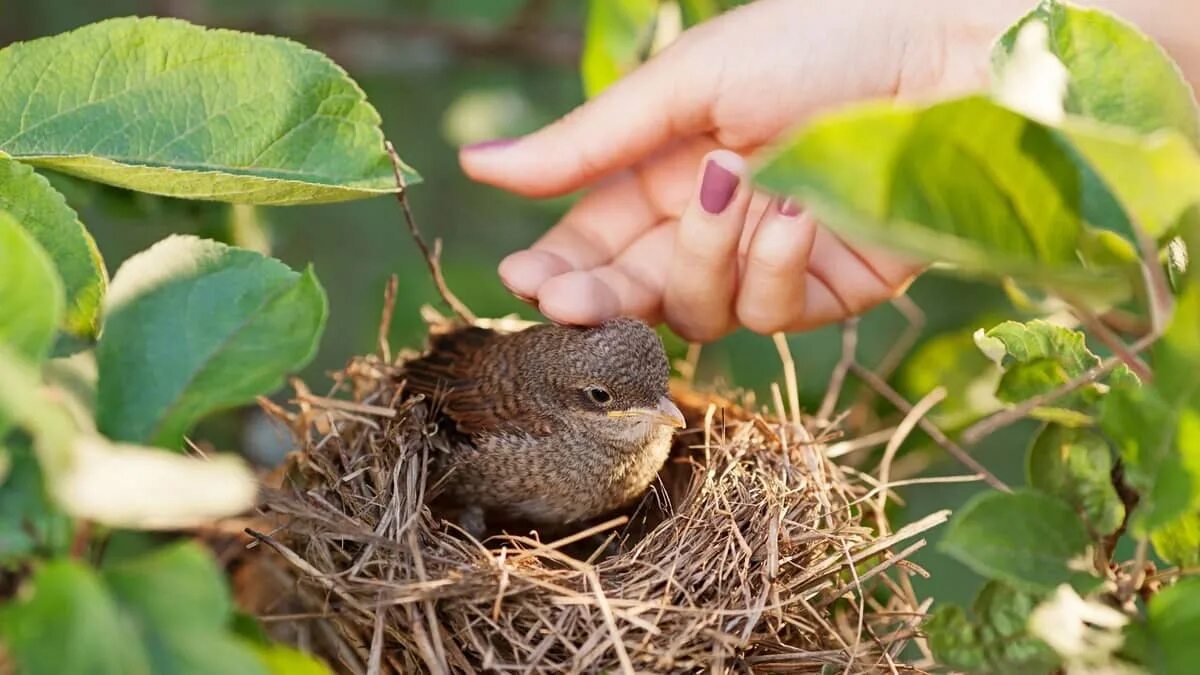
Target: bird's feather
(459,376)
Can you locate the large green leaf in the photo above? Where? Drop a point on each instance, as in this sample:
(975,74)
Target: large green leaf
(192,326)
(1076,464)
(162,106)
(166,611)
(966,182)
(69,623)
(996,640)
(1117,74)
(1156,178)
(1027,539)
(1174,624)
(31,294)
(43,212)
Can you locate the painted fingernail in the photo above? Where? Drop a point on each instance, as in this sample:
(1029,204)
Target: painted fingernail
(494,144)
(717,187)
(789,208)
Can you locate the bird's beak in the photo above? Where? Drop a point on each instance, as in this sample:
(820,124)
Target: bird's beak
(665,413)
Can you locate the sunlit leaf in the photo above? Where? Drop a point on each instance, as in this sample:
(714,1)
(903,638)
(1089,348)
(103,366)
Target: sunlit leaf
(162,106)
(1117,74)
(619,35)
(1178,542)
(966,182)
(31,294)
(43,213)
(193,326)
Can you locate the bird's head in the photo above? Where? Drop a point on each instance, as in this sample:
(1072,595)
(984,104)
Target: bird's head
(615,377)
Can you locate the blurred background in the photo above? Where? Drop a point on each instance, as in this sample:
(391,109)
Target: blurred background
(447,72)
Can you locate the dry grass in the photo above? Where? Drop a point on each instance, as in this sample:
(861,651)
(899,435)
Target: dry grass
(754,553)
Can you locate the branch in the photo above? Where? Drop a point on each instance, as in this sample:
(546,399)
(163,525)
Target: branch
(838,378)
(885,390)
(431,257)
(989,425)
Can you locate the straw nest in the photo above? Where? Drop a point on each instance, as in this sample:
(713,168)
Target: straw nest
(753,553)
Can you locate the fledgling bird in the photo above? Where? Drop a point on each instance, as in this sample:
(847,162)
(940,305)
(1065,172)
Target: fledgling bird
(552,424)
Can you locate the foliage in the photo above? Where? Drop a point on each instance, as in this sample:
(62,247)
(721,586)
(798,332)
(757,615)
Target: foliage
(189,326)
(1072,178)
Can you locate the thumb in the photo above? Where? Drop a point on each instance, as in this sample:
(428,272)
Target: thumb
(666,98)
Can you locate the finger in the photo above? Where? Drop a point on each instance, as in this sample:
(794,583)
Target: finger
(857,285)
(702,278)
(666,98)
(772,293)
(632,285)
(593,232)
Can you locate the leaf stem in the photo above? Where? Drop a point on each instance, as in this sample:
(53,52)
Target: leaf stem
(432,258)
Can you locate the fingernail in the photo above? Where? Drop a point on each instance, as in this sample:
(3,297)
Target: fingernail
(789,208)
(493,144)
(717,187)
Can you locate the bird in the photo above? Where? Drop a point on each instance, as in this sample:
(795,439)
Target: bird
(551,425)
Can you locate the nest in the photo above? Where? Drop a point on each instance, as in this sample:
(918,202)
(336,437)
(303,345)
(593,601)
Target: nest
(753,553)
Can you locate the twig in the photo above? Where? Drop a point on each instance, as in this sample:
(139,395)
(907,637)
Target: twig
(884,389)
(431,257)
(915,317)
(905,428)
(385,321)
(1110,340)
(838,378)
(989,425)
(789,376)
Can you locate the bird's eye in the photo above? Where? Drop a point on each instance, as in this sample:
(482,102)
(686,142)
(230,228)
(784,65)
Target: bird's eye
(598,394)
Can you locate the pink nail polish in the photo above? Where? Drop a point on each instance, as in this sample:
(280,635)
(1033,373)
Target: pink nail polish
(494,144)
(789,208)
(717,187)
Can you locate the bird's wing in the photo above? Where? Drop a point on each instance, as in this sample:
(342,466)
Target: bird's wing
(463,374)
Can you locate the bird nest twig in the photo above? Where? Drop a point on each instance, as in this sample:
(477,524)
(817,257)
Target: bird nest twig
(754,552)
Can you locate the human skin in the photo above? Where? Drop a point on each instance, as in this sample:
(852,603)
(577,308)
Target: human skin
(671,229)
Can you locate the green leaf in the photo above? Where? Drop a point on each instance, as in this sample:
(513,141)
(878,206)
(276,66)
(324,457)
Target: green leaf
(194,326)
(1174,624)
(1156,427)
(966,182)
(1178,542)
(1117,74)
(43,212)
(996,641)
(951,360)
(1076,465)
(183,610)
(1155,178)
(1037,357)
(31,294)
(236,117)
(29,523)
(617,38)
(68,623)
(1027,539)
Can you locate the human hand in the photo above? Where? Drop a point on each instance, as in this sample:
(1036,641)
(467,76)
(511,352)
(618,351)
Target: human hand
(642,242)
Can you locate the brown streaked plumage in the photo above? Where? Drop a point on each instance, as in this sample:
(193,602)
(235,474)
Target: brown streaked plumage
(552,424)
